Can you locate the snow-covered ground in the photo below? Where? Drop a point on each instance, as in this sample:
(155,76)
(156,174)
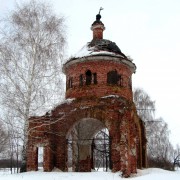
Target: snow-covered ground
(147,174)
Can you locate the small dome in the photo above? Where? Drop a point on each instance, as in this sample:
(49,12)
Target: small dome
(99,47)
(105,45)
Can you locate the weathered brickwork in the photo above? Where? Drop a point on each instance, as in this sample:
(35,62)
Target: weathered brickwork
(101,67)
(99,91)
(117,114)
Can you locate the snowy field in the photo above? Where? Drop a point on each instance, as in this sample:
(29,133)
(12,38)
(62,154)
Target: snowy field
(147,174)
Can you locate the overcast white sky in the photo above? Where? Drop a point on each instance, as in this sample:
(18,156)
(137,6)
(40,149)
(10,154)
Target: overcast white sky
(146,30)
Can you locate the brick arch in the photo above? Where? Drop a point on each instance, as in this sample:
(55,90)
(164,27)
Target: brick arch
(115,113)
(102,125)
(80,137)
(99,109)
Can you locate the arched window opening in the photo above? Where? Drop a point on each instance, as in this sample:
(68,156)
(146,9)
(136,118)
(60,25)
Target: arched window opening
(113,77)
(81,80)
(88,77)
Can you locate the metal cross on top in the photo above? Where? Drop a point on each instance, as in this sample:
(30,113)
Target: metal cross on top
(100,9)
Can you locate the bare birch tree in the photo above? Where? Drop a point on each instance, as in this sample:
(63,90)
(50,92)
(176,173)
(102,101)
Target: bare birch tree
(15,139)
(32,40)
(159,148)
(144,104)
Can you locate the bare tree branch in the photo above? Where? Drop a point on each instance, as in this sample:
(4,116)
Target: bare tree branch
(32,40)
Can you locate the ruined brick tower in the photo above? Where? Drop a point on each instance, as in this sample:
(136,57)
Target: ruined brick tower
(99,98)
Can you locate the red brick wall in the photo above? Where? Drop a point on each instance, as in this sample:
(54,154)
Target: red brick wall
(117,114)
(101,68)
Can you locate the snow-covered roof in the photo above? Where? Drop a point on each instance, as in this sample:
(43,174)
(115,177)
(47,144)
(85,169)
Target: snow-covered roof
(89,51)
(99,47)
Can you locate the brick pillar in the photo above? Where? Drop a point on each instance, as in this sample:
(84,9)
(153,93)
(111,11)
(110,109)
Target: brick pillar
(133,140)
(124,146)
(60,154)
(133,156)
(32,158)
(48,159)
(115,151)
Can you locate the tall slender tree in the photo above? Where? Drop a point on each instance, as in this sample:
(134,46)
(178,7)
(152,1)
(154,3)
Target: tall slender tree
(144,104)
(32,41)
(159,148)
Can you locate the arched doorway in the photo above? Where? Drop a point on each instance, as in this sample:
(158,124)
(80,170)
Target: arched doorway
(88,146)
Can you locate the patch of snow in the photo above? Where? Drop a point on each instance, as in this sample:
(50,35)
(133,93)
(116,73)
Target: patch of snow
(105,53)
(89,51)
(73,109)
(146,174)
(56,170)
(109,96)
(68,101)
(84,51)
(84,107)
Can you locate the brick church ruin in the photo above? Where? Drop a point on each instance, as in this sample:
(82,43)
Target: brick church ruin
(97,125)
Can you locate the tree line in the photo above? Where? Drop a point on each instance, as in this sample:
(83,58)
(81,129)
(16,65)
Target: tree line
(160,151)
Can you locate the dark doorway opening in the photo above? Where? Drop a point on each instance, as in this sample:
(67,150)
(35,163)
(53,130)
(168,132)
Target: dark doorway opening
(88,146)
